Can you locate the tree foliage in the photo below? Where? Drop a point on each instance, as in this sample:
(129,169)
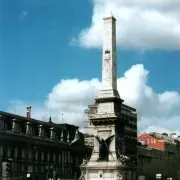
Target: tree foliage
(168,167)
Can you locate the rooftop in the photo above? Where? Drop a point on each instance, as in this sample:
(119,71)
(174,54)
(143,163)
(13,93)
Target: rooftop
(36,121)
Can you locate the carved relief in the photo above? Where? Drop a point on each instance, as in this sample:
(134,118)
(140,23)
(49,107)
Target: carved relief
(107,55)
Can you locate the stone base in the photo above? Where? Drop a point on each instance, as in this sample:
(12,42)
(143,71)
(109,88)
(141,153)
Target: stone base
(107,171)
(105,93)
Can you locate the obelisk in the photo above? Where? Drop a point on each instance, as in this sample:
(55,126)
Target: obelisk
(109,70)
(107,125)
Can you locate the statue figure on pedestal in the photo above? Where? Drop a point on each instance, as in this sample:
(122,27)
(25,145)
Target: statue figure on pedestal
(83,174)
(104,148)
(76,138)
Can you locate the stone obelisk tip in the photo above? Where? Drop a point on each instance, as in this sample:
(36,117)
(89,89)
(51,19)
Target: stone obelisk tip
(109,15)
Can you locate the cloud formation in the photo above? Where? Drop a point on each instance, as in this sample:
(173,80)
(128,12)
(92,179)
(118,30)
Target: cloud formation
(23,14)
(141,24)
(159,112)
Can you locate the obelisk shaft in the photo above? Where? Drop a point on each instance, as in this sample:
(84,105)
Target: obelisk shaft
(109,74)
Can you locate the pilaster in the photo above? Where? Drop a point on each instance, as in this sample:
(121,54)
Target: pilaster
(41,131)
(15,126)
(28,128)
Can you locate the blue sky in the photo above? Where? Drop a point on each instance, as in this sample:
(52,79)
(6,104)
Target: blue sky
(37,53)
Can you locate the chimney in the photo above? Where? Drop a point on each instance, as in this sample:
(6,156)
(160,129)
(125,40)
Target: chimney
(28,111)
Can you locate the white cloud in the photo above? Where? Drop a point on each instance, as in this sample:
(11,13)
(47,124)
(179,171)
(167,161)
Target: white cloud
(23,14)
(146,24)
(71,97)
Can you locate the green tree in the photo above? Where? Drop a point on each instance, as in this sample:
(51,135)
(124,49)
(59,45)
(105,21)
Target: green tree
(169,166)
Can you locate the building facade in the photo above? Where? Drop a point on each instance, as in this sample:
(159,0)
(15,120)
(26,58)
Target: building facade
(158,153)
(159,141)
(38,148)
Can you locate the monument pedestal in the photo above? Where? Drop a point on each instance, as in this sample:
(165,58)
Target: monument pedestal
(106,171)
(112,166)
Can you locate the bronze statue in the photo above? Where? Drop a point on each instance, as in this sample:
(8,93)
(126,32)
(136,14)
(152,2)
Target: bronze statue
(104,148)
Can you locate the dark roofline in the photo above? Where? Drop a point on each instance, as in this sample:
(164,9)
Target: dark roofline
(128,107)
(36,120)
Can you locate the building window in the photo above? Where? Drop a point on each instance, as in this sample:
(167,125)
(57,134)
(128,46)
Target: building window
(22,153)
(154,141)
(1,150)
(9,152)
(22,167)
(30,154)
(147,141)
(36,155)
(42,156)
(15,152)
(59,157)
(48,156)
(62,161)
(36,168)
(42,169)
(30,168)
(54,157)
